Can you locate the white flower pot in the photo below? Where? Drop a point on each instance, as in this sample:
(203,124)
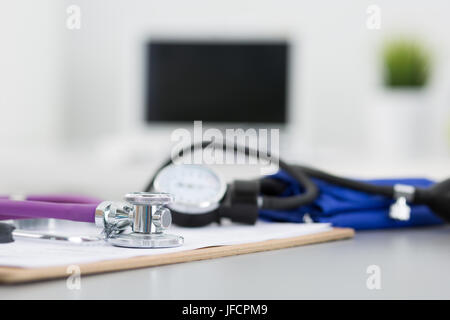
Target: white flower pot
(398,124)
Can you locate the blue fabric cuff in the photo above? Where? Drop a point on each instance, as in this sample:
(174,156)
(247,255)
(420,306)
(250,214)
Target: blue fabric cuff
(345,207)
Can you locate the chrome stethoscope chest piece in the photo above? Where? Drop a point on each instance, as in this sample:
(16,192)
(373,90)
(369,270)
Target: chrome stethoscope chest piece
(148,218)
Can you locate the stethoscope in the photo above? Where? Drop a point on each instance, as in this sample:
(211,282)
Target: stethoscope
(196,195)
(138,222)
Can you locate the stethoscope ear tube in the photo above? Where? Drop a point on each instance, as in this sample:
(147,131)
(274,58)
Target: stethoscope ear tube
(40,209)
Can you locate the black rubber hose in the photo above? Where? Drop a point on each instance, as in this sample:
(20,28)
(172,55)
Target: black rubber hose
(272,187)
(437,197)
(387,191)
(310,193)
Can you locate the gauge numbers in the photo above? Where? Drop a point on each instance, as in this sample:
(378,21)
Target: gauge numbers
(196,188)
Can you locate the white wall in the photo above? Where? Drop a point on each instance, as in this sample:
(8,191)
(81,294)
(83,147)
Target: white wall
(59,86)
(31,102)
(334,55)
(80,85)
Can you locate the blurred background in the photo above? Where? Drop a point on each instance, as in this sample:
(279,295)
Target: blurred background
(90,91)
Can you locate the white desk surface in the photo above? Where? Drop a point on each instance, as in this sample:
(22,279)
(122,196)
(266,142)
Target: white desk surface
(415,263)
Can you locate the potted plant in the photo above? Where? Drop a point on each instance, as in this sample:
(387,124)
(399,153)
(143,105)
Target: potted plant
(406,64)
(397,117)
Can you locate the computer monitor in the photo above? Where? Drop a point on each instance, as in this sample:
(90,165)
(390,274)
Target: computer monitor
(225,82)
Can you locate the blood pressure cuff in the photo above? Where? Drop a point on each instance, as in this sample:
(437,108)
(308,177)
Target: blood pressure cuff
(343,207)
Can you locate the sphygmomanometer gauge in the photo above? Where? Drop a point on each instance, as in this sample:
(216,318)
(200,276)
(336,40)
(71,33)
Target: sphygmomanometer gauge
(197,189)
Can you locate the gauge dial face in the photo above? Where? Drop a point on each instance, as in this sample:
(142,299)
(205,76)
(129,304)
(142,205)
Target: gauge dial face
(197,189)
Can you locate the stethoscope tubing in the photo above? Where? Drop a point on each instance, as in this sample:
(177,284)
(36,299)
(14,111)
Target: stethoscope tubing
(75,208)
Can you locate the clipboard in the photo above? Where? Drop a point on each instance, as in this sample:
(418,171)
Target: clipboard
(13,275)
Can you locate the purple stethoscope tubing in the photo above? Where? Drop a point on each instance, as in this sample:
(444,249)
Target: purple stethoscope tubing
(75,208)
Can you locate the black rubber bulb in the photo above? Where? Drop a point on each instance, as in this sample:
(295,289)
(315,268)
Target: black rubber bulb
(437,198)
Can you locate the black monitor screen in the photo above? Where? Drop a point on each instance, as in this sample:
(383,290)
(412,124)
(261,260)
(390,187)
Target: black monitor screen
(217,82)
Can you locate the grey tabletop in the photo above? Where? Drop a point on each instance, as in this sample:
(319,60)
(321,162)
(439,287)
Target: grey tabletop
(407,264)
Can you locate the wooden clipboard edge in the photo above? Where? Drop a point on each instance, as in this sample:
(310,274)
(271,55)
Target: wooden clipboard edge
(13,275)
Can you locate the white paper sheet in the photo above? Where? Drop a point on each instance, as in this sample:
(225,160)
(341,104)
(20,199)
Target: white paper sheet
(41,253)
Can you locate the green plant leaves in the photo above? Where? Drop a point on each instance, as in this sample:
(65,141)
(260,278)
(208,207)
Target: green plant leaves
(406,63)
